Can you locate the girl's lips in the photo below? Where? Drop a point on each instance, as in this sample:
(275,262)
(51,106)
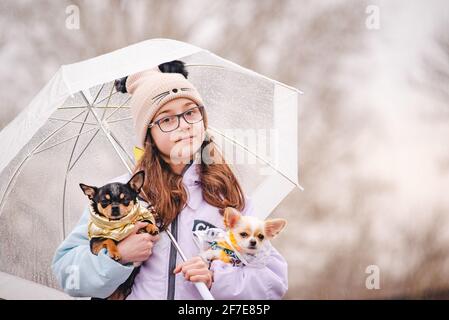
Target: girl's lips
(186,138)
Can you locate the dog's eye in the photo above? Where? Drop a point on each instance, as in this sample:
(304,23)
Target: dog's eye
(104,204)
(243,234)
(260,236)
(126,202)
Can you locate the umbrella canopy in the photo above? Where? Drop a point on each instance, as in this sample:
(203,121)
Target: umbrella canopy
(79,129)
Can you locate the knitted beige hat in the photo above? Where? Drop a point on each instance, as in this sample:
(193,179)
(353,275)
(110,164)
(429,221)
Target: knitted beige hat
(150,90)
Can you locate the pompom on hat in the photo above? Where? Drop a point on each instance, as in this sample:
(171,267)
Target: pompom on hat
(151,89)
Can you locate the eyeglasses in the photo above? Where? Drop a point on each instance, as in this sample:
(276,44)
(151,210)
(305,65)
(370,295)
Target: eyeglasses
(170,123)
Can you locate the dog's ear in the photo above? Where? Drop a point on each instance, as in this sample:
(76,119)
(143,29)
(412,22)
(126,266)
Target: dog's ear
(231,217)
(88,190)
(273,227)
(137,180)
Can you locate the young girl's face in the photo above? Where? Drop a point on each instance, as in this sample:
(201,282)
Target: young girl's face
(178,146)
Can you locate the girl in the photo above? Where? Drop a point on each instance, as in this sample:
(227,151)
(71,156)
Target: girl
(170,121)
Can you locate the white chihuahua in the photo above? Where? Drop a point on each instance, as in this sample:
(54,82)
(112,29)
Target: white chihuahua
(243,239)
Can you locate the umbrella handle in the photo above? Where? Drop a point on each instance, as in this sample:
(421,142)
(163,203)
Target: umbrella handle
(201,286)
(204,292)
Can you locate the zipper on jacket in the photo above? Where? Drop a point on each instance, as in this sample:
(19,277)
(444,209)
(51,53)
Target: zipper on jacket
(173,251)
(172,261)
(172,258)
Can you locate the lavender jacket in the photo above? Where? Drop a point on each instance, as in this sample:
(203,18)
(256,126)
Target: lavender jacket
(82,274)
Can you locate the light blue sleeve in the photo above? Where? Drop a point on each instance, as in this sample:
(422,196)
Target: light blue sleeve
(83,274)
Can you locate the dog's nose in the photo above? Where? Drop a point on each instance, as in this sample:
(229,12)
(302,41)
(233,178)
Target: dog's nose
(115,211)
(252,243)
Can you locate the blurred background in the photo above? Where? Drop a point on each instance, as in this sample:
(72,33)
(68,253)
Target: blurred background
(373,122)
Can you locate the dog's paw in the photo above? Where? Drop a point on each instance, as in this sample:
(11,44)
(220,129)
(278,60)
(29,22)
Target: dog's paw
(152,229)
(114,254)
(116,295)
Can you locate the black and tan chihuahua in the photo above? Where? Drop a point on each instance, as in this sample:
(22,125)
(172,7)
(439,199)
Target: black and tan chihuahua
(114,211)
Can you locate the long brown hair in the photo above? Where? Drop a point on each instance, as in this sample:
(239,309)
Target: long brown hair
(166,192)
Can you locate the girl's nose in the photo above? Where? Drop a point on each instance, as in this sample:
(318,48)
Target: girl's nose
(183,124)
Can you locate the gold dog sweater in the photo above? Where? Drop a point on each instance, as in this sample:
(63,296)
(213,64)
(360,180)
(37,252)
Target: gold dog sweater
(102,227)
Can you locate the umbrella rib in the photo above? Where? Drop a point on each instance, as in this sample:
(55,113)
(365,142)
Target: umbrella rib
(113,136)
(205,65)
(98,93)
(72,121)
(121,147)
(10,181)
(122,119)
(107,103)
(106,132)
(76,141)
(110,132)
(116,109)
(55,131)
(71,108)
(29,155)
(65,140)
(84,107)
(84,149)
(256,155)
(66,174)
(105,99)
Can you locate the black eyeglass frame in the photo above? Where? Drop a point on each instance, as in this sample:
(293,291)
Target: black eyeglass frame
(178,117)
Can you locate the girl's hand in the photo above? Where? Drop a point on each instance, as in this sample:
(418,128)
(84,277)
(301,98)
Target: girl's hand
(137,247)
(196,270)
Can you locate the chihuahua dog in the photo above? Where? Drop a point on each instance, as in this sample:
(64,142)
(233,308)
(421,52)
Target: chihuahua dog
(114,211)
(244,238)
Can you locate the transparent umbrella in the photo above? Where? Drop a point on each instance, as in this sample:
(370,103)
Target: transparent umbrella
(78,128)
